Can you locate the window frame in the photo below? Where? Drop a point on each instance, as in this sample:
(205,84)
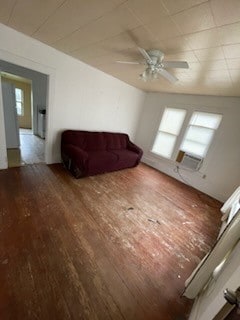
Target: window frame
(183,132)
(176,143)
(189,125)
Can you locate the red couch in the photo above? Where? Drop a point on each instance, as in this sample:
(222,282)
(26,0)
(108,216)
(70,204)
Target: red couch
(87,153)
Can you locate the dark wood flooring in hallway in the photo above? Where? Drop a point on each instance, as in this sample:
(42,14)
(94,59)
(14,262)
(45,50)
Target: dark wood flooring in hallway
(114,246)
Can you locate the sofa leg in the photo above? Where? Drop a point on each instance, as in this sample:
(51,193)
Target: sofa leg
(76,172)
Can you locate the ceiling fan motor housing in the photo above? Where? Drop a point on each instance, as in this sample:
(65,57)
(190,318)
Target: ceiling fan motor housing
(156,54)
(156,66)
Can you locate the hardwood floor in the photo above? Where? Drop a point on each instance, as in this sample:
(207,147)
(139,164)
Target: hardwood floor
(31,150)
(113,246)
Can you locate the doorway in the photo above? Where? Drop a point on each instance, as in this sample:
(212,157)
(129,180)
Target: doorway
(24,146)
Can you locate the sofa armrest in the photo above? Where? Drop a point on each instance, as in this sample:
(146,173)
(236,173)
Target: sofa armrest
(131,146)
(74,152)
(75,159)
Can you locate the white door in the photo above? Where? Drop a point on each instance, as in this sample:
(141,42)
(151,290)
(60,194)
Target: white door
(10,115)
(219,271)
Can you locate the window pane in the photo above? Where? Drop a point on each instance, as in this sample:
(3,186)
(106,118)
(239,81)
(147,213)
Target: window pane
(199,134)
(208,120)
(18,93)
(195,148)
(164,144)
(172,120)
(19,108)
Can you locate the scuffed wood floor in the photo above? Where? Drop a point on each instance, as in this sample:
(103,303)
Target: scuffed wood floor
(113,246)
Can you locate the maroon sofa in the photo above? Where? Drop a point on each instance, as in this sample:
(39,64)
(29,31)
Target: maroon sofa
(87,153)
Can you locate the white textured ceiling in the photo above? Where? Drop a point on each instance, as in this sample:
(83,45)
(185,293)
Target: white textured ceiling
(206,34)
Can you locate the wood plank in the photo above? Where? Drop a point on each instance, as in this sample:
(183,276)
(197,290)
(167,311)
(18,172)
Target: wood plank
(113,246)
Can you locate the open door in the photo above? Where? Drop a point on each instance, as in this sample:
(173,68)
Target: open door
(10,115)
(218,271)
(231,310)
(210,303)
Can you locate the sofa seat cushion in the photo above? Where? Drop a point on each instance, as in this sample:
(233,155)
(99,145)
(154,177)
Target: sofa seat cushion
(126,158)
(100,161)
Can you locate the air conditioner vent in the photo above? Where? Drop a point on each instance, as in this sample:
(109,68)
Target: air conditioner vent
(191,162)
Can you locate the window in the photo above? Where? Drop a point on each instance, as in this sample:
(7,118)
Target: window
(168,131)
(19,101)
(200,132)
(198,136)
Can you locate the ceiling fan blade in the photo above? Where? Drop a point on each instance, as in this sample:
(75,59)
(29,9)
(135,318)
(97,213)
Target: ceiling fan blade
(145,54)
(167,75)
(128,62)
(175,64)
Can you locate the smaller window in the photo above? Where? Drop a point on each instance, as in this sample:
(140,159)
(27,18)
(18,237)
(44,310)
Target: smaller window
(19,101)
(200,132)
(169,129)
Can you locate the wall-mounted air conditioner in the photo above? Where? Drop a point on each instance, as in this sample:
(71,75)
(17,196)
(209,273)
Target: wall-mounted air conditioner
(189,161)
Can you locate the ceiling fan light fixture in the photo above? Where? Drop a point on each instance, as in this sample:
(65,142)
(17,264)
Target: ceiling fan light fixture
(149,71)
(155,75)
(156,66)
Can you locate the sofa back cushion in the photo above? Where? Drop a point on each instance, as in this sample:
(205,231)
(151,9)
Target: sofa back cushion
(86,140)
(116,141)
(95,141)
(74,137)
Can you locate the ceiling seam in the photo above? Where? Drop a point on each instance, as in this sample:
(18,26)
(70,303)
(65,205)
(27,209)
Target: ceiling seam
(50,15)
(208,29)
(94,43)
(144,26)
(217,28)
(11,13)
(90,22)
(194,6)
(141,23)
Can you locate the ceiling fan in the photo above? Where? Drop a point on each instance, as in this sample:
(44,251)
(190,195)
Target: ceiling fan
(154,59)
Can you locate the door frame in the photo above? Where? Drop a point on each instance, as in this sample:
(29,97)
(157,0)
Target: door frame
(51,73)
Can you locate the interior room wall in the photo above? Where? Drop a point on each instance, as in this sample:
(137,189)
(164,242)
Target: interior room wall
(79,96)
(219,175)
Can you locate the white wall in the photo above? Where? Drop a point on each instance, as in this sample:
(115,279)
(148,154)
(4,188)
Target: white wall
(221,165)
(80,97)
